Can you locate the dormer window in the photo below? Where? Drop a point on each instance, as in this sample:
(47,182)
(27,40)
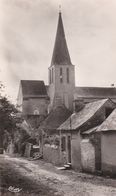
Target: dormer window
(61,76)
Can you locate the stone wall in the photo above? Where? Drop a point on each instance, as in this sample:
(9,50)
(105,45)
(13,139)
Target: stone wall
(75,151)
(33,104)
(53,155)
(87,155)
(62,92)
(108,152)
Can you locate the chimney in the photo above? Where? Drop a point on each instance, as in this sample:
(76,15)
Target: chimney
(78,105)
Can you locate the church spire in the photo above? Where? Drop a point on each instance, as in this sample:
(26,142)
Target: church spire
(60,53)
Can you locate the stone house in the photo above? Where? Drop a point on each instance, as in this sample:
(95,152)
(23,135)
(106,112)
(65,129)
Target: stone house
(92,115)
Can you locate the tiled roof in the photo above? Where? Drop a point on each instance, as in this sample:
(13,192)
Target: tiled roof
(33,88)
(95,92)
(78,119)
(109,124)
(60,53)
(55,118)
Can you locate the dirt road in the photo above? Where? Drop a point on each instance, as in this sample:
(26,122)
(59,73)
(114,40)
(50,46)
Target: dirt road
(43,179)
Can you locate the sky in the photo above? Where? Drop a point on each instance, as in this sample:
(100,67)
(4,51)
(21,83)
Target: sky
(27,35)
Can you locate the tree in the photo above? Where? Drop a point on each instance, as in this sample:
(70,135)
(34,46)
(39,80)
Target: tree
(8,117)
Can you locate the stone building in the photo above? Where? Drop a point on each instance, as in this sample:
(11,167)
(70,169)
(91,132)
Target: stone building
(61,72)
(84,155)
(107,131)
(32,98)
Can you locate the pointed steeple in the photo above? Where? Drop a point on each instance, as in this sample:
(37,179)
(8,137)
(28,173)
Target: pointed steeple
(60,53)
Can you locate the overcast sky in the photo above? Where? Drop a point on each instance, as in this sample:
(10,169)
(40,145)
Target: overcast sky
(27,35)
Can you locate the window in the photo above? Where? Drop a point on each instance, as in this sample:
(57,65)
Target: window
(61,77)
(52,74)
(49,76)
(36,111)
(67,75)
(63,143)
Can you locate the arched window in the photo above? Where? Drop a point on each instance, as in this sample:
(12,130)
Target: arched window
(36,111)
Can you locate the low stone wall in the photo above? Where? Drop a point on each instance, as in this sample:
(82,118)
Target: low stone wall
(28,149)
(53,155)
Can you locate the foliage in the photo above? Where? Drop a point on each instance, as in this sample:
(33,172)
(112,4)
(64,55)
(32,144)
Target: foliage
(8,117)
(52,140)
(12,129)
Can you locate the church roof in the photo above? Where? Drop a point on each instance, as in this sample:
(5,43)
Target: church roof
(60,53)
(33,88)
(76,120)
(55,118)
(96,92)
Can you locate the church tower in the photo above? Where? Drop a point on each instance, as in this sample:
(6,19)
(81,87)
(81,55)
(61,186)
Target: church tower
(61,72)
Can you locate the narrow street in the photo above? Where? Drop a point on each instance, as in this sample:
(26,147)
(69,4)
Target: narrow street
(43,179)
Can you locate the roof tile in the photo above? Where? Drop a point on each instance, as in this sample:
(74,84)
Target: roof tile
(33,88)
(76,120)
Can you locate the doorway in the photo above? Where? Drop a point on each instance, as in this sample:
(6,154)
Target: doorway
(69,148)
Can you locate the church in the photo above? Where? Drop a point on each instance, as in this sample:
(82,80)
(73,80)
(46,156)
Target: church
(72,123)
(37,98)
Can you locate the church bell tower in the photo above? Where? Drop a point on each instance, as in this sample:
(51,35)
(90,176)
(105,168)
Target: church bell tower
(61,71)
